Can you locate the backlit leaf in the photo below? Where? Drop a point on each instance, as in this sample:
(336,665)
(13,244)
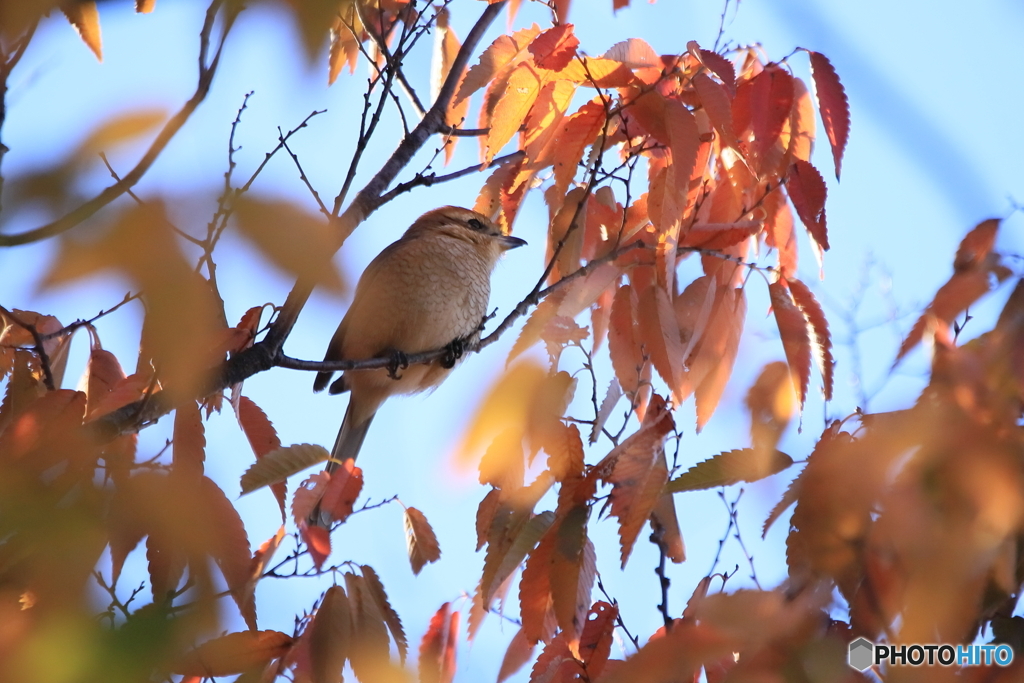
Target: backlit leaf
(437,649)
(576,132)
(795,338)
(554,48)
(716,102)
(835,111)
(634,53)
(370,648)
(420,540)
(596,641)
(84,16)
(502,52)
(524,86)
(518,653)
(728,468)
(391,620)
(234,653)
(189,451)
(807,189)
(280,464)
(811,309)
(342,491)
(263,439)
(330,636)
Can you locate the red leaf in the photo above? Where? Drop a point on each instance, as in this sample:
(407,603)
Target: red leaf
(554,49)
(573,570)
(556,664)
(819,327)
(596,642)
(103,373)
(722,67)
(189,451)
(765,101)
(341,492)
(535,602)
(660,337)
(262,438)
(976,245)
(807,189)
(318,540)
(835,111)
(437,650)
(795,340)
(308,494)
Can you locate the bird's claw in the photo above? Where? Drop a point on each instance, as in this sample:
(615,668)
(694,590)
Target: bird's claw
(452,353)
(398,361)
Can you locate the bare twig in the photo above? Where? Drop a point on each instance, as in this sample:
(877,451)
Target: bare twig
(207,69)
(72,327)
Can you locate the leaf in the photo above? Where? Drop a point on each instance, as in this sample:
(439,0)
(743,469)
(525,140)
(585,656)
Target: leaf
(715,99)
(330,636)
(420,540)
(102,373)
(119,129)
(437,649)
(524,86)
(263,439)
(596,641)
(228,541)
(189,451)
(795,339)
(811,309)
(665,525)
(84,16)
(639,473)
(728,468)
(772,99)
(716,63)
(772,402)
(832,103)
(807,189)
(234,653)
(518,653)
(554,48)
(660,337)
(280,464)
(976,246)
(391,619)
(611,399)
(556,664)
(260,560)
(535,601)
(718,348)
(506,557)
(293,240)
(575,133)
(370,650)
(623,345)
(318,541)
(634,53)
(342,491)
(571,578)
(308,493)
(502,52)
(788,498)
(144,6)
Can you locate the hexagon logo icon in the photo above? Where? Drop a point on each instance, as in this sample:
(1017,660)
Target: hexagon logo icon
(861,654)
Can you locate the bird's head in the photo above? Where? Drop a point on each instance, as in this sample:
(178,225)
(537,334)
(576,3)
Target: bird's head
(466,225)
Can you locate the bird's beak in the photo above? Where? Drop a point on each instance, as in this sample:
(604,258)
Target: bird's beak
(509,242)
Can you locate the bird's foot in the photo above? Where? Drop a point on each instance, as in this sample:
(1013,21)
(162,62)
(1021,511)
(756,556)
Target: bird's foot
(452,353)
(398,361)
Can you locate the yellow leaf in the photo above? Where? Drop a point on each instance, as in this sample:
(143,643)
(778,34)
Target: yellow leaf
(280,464)
(117,130)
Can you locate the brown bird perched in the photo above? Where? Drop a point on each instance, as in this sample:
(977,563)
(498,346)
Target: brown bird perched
(429,290)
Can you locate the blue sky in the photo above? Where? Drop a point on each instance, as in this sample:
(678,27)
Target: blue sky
(935,95)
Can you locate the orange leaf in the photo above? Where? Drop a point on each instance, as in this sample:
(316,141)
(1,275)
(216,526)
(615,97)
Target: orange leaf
(779,232)
(420,540)
(578,131)
(535,601)
(437,650)
(341,492)
(262,439)
(512,536)
(714,97)
(189,451)
(596,641)
(807,189)
(488,202)
(573,570)
(234,653)
(344,45)
(229,543)
(718,347)
(835,111)
(660,337)
(260,560)
(598,72)
(819,327)
(639,473)
(634,53)
(554,48)
(370,651)
(391,620)
(308,494)
(318,540)
(103,372)
(771,100)
(795,339)
(502,52)
(556,664)
(544,122)
(623,346)
(518,653)
(717,64)
(524,86)
(86,19)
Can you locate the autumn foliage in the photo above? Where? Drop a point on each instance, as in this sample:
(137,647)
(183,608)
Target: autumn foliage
(906,526)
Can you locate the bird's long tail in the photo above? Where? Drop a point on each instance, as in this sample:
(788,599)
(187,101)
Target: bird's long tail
(346,447)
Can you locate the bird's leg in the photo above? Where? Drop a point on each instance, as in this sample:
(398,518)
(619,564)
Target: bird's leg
(398,361)
(452,353)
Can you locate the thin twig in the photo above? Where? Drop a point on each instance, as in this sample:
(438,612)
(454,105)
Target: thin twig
(206,74)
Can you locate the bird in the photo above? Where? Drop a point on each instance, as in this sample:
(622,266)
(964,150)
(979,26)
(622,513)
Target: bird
(428,290)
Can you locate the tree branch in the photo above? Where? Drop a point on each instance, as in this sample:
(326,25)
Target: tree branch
(89,208)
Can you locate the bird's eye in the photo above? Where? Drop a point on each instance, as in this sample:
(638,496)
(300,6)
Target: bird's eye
(475,224)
